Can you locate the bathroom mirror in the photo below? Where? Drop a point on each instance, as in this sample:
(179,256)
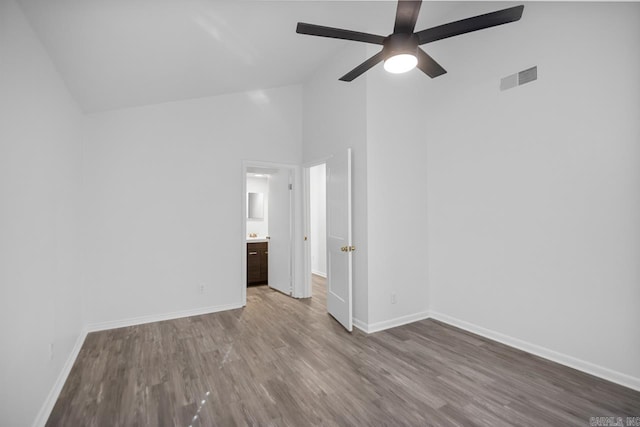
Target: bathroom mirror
(255,207)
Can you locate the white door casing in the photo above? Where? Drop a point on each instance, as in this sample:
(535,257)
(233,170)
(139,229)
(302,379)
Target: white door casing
(339,241)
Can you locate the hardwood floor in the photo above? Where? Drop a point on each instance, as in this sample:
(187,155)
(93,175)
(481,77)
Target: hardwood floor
(285,362)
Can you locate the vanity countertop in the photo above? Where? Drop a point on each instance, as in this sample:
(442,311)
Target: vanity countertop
(256,239)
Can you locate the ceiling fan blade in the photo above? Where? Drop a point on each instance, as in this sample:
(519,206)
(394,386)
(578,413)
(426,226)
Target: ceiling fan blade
(468,25)
(406,16)
(360,69)
(337,33)
(429,65)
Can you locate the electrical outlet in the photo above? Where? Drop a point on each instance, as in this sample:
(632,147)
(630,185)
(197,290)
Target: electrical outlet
(201,288)
(393,297)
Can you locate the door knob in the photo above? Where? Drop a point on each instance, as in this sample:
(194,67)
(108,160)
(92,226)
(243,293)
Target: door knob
(343,249)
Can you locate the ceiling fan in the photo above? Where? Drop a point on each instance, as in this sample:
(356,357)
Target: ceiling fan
(401,50)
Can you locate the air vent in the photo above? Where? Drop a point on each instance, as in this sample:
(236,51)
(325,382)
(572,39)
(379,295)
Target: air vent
(518,79)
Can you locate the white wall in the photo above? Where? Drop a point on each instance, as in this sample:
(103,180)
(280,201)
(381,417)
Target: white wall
(318,218)
(164,198)
(397,202)
(334,119)
(40,176)
(533,194)
(259,226)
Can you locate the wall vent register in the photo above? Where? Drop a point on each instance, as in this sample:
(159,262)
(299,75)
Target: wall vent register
(518,79)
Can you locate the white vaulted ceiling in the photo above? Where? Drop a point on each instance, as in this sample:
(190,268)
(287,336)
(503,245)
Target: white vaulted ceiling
(121,53)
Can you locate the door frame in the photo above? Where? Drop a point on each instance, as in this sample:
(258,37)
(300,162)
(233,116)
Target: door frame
(296,218)
(307,288)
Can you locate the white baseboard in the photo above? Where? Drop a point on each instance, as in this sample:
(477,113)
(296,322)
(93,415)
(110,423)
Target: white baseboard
(101,326)
(319,273)
(52,397)
(360,325)
(392,323)
(554,356)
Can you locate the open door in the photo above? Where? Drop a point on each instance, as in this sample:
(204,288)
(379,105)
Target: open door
(280,231)
(339,244)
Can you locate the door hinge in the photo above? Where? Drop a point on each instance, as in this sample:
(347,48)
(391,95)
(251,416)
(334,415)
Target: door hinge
(290,186)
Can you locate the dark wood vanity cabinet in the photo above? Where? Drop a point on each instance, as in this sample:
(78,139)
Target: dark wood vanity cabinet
(257,263)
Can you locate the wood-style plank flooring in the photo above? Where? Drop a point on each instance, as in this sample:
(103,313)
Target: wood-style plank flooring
(285,362)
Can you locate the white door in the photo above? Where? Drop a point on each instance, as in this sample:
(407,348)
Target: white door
(280,229)
(339,245)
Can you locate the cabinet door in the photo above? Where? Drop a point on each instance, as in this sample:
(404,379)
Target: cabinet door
(257,263)
(264,264)
(253,264)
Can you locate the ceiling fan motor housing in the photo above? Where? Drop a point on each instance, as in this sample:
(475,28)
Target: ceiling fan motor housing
(400,43)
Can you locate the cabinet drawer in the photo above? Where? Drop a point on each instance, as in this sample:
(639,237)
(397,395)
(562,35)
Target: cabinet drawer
(259,246)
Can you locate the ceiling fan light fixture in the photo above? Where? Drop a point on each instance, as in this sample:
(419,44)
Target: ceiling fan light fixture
(400,63)
(401,53)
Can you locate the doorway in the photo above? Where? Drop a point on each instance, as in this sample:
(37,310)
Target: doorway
(317,224)
(268,226)
(337,241)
